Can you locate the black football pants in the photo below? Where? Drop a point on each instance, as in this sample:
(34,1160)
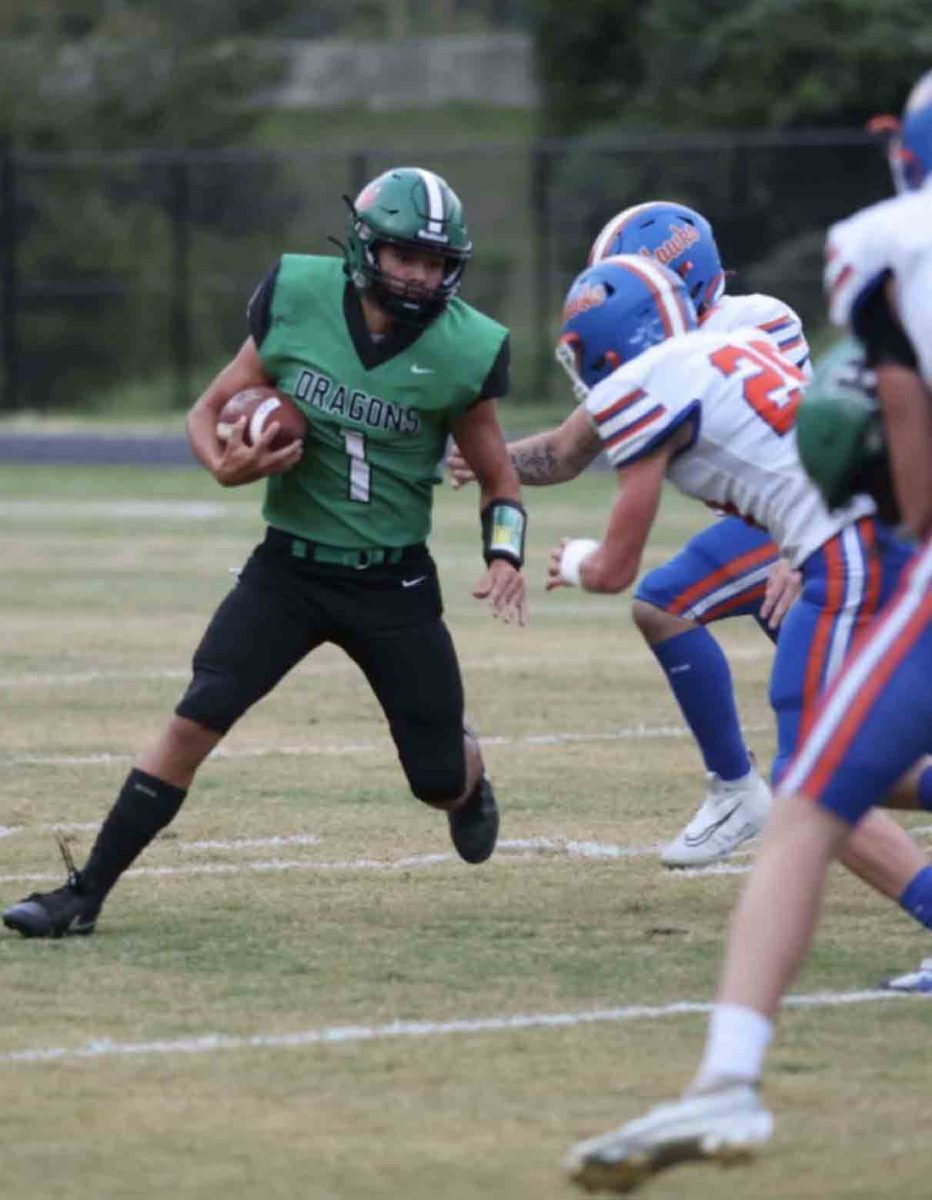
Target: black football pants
(388,619)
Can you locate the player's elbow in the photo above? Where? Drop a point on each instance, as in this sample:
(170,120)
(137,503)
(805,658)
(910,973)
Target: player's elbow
(612,576)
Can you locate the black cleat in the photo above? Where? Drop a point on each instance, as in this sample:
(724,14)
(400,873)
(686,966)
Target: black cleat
(474,826)
(70,910)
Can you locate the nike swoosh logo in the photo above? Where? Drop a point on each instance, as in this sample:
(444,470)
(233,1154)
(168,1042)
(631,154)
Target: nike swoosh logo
(416,370)
(406,583)
(698,839)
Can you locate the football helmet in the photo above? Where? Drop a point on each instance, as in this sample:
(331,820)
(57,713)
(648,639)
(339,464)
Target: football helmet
(840,434)
(407,206)
(676,236)
(615,310)
(909,140)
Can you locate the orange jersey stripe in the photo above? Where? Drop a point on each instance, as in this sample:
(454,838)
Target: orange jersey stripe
(843,276)
(818,651)
(721,610)
(620,406)
(635,427)
(868,531)
(732,570)
(847,729)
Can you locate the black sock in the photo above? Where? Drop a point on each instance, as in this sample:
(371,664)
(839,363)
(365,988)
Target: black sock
(144,806)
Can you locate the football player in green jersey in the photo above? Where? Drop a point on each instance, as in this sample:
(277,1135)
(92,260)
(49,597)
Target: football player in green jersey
(385,362)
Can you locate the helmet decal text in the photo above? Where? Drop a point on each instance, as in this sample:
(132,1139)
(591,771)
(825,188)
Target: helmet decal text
(588,295)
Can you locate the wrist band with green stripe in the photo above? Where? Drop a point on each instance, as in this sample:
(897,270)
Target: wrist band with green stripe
(504,525)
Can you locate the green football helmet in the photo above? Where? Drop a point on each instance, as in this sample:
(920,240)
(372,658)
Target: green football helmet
(839,431)
(407,206)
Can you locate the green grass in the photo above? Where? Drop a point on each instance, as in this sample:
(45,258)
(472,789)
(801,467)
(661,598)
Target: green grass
(101,605)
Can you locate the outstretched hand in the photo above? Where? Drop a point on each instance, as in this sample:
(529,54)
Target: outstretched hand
(504,587)
(458,469)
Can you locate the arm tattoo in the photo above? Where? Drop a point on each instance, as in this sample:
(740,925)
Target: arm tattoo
(535,461)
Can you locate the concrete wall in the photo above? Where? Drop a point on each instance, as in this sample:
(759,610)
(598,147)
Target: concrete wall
(418,72)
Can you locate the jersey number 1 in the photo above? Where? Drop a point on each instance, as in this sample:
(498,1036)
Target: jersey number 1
(770,389)
(359,472)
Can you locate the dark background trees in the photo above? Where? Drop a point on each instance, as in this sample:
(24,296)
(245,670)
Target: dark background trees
(146,181)
(726,64)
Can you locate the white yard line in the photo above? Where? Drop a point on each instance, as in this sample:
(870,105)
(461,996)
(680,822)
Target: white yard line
(519,848)
(77,678)
(722,868)
(119,510)
(206,1043)
(542,849)
(638,732)
(287,839)
(312,669)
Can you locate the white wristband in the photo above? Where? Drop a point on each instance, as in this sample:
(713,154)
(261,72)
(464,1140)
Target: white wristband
(575,550)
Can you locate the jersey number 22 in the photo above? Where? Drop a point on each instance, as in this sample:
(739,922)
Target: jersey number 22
(771,386)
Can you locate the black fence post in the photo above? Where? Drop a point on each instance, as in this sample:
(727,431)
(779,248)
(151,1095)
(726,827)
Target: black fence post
(542,269)
(9,278)
(180,201)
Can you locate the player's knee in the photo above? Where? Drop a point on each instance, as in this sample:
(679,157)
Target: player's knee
(437,780)
(213,699)
(654,622)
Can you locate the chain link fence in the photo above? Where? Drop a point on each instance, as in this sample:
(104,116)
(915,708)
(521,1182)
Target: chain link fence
(123,274)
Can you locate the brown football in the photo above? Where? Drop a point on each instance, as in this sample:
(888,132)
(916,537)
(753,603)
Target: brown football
(262,406)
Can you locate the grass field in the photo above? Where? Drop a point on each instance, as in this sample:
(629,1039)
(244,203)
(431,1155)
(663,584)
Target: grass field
(231,1031)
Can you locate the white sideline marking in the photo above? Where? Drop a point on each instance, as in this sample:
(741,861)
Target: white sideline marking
(625,733)
(345,1034)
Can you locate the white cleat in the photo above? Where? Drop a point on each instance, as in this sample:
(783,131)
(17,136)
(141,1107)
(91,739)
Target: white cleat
(725,1126)
(732,812)
(919,982)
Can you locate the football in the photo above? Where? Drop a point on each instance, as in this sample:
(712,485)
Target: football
(262,406)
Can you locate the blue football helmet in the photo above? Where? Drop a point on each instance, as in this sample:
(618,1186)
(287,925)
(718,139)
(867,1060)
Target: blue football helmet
(909,148)
(614,311)
(676,236)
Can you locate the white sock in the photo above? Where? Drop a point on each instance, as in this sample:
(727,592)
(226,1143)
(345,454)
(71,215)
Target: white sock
(735,1046)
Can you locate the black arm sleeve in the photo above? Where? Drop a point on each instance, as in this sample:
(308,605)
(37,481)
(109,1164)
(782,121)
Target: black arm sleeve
(259,308)
(498,381)
(880,332)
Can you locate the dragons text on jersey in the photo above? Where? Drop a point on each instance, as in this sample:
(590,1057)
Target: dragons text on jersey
(320,391)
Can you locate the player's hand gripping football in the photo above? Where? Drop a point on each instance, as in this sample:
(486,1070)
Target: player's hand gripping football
(783,587)
(241,463)
(504,587)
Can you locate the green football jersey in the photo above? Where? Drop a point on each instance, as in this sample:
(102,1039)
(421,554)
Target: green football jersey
(375,433)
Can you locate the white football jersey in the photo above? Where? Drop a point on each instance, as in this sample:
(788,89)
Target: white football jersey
(895,237)
(766,312)
(739,396)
